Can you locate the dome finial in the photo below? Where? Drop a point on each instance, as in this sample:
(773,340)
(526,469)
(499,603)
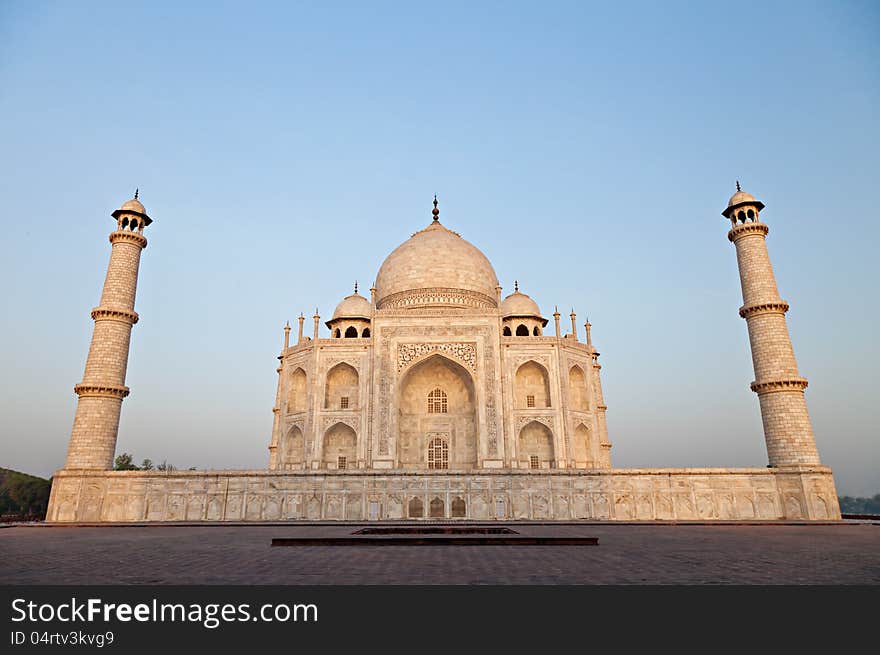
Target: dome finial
(355,286)
(136,193)
(738,188)
(435,211)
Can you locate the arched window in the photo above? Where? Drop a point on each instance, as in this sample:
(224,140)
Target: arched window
(351,332)
(337,334)
(416,508)
(438,454)
(507,331)
(522,330)
(536,332)
(366,333)
(750,214)
(125,222)
(437,402)
(134,224)
(741,216)
(459,507)
(437,508)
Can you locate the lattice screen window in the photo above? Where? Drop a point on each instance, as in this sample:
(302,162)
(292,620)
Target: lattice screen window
(340,462)
(343,402)
(437,402)
(534,463)
(530,401)
(438,454)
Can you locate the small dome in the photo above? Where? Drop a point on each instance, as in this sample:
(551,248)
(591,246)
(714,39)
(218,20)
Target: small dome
(134,205)
(353,306)
(519,304)
(740,197)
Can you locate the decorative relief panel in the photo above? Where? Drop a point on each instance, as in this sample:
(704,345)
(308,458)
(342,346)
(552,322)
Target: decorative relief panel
(522,420)
(464,353)
(296,423)
(518,361)
(330,362)
(354,422)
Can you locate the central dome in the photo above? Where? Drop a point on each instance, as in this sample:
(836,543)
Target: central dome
(436,268)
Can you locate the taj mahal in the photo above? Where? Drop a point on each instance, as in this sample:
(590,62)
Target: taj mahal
(437,397)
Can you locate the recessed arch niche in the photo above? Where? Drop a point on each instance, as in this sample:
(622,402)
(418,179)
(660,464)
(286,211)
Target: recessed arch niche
(417,427)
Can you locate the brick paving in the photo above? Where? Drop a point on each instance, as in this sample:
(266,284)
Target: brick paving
(847,553)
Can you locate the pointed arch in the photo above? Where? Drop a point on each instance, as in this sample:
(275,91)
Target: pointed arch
(292,451)
(351,332)
(342,382)
(535,441)
(506,332)
(522,330)
(340,440)
(417,426)
(297,388)
(532,382)
(416,508)
(577,389)
(582,447)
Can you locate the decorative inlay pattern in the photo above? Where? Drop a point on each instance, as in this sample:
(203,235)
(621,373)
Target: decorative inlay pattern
(436,296)
(465,353)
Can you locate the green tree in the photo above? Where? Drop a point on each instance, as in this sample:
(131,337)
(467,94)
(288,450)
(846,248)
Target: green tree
(147,465)
(124,462)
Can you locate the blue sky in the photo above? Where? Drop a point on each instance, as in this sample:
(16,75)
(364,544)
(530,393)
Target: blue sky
(285,149)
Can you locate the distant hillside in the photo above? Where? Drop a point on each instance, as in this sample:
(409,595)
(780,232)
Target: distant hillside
(23,496)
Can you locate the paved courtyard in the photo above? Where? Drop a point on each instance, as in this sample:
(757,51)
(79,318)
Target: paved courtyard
(847,553)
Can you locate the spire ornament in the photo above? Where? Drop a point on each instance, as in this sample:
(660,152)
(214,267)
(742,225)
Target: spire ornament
(738,188)
(435,211)
(136,193)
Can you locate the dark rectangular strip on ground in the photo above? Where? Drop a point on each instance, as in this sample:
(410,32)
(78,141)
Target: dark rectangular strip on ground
(437,540)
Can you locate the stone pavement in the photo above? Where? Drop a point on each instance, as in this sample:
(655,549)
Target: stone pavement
(845,553)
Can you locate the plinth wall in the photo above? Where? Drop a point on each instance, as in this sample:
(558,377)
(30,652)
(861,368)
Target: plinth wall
(802,493)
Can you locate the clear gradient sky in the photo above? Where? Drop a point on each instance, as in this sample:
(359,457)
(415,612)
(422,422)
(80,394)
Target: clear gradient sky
(285,149)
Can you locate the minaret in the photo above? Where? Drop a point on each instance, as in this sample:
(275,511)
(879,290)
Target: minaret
(556,316)
(574,328)
(287,335)
(96,424)
(301,319)
(780,388)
